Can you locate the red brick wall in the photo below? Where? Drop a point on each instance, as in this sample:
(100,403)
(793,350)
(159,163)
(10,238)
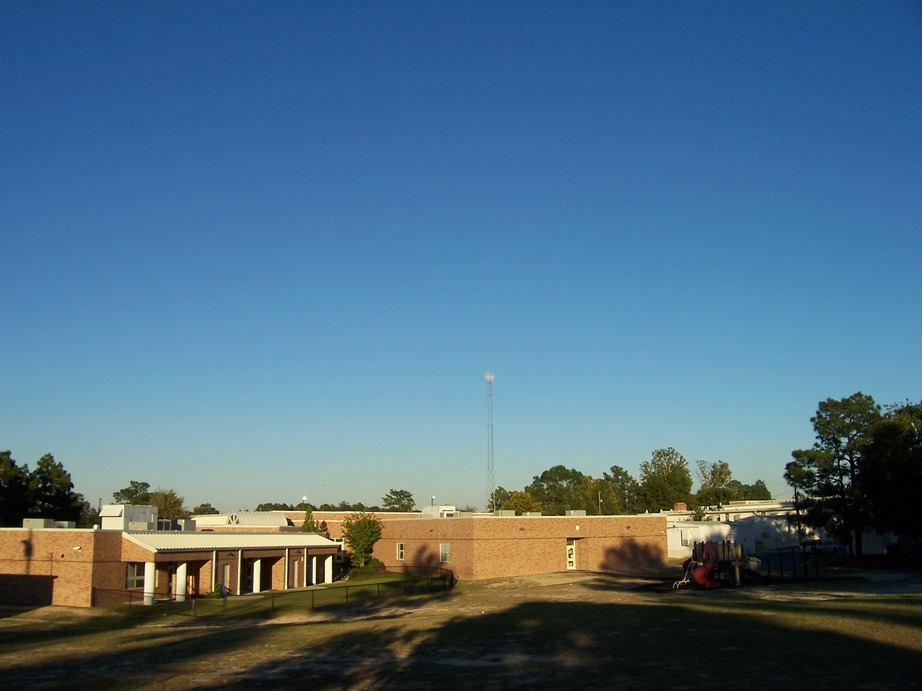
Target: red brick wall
(35,556)
(42,567)
(492,547)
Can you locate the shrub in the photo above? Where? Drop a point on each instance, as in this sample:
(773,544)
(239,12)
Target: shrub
(372,566)
(361,531)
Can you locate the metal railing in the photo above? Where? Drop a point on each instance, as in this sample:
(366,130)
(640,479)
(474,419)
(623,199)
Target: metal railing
(314,597)
(792,563)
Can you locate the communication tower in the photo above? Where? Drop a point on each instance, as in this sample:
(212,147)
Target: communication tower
(491,482)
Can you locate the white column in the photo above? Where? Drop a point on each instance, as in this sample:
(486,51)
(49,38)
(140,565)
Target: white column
(328,569)
(287,565)
(150,582)
(181,582)
(306,569)
(257,574)
(214,570)
(239,570)
(313,570)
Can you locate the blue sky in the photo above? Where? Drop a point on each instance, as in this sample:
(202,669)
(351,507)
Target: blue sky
(255,251)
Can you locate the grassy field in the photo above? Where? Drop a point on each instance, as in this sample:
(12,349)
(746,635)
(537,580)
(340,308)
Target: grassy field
(557,631)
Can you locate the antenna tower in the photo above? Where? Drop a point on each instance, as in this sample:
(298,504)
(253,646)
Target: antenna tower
(490,478)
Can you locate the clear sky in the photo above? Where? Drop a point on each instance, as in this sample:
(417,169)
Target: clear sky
(255,251)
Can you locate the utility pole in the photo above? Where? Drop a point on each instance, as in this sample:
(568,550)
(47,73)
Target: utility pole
(491,482)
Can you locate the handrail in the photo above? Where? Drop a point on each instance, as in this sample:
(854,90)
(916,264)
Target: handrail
(438,579)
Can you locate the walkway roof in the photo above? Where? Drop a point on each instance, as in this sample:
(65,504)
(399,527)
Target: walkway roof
(182,541)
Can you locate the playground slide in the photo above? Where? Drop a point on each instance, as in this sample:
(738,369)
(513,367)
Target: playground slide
(702,574)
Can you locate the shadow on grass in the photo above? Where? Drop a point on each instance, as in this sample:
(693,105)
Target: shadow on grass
(585,645)
(692,639)
(16,610)
(364,603)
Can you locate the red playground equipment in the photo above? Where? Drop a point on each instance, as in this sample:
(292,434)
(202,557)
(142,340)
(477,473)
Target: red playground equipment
(713,564)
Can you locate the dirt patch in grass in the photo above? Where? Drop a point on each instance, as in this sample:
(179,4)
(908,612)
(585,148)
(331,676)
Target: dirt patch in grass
(569,629)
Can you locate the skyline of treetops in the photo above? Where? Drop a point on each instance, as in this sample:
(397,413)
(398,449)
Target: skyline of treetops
(863,457)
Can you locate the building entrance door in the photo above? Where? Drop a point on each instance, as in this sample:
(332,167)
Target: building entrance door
(571,554)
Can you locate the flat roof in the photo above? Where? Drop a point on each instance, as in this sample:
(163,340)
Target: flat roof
(185,541)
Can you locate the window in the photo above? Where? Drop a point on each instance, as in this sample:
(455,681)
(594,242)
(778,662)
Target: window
(444,552)
(134,577)
(400,551)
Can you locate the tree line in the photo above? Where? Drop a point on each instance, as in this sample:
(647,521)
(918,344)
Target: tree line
(665,480)
(863,471)
(171,505)
(394,500)
(45,491)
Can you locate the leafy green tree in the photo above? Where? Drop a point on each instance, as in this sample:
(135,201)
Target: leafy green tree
(717,486)
(349,506)
(891,471)
(45,492)
(274,506)
(799,476)
(398,500)
(14,491)
(558,489)
(361,531)
(346,506)
(664,480)
(52,492)
(205,509)
(500,495)
(716,483)
(135,493)
(521,502)
(827,473)
(624,489)
(757,491)
(596,497)
(308,526)
(169,504)
(89,516)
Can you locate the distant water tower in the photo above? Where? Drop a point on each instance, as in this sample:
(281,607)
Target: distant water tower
(491,482)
